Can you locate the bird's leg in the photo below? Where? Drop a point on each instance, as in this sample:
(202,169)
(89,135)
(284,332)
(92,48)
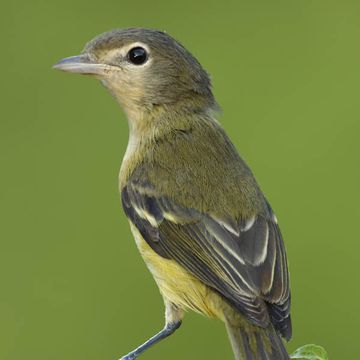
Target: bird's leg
(173,318)
(165,332)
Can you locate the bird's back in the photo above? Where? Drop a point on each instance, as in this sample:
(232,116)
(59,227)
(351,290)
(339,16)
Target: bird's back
(186,159)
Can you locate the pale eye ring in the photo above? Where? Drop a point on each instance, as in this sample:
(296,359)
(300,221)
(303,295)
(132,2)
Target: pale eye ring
(137,55)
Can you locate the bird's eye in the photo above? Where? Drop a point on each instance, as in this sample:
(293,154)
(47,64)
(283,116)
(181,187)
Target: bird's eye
(137,55)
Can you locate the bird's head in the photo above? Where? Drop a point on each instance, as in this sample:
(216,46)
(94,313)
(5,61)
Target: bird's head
(144,69)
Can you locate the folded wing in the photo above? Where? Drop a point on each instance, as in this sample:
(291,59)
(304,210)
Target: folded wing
(242,259)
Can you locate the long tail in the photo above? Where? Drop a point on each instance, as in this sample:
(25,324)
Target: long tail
(254,343)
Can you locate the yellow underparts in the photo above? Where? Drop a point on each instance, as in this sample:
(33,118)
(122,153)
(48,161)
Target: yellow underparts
(178,286)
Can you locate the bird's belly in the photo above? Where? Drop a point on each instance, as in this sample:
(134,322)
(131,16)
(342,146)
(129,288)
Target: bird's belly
(177,285)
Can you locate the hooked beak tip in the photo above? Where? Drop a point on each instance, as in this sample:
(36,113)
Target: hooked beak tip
(69,62)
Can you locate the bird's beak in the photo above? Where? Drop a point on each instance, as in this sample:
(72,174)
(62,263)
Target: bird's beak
(81,64)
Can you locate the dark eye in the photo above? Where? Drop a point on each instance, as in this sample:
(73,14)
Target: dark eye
(138,55)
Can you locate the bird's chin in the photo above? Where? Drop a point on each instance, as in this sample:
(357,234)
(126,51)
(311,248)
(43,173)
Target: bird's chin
(81,64)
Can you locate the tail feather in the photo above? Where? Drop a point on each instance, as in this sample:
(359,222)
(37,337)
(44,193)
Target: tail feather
(254,343)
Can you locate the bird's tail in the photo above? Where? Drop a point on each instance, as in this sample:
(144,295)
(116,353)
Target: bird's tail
(254,343)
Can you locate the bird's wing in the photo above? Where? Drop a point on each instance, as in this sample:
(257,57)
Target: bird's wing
(243,260)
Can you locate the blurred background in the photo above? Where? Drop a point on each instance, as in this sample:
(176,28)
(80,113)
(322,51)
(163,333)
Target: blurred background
(286,74)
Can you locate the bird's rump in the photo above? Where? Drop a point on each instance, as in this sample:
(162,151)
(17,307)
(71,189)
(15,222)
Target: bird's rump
(243,260)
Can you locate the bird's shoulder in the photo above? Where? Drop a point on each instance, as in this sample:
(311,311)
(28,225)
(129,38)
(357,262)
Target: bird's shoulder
(196,165)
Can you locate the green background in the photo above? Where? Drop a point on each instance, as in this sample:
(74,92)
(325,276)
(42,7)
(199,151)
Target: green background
(286,74)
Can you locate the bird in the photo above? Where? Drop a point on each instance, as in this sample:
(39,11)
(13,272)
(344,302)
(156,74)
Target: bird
(200,221)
